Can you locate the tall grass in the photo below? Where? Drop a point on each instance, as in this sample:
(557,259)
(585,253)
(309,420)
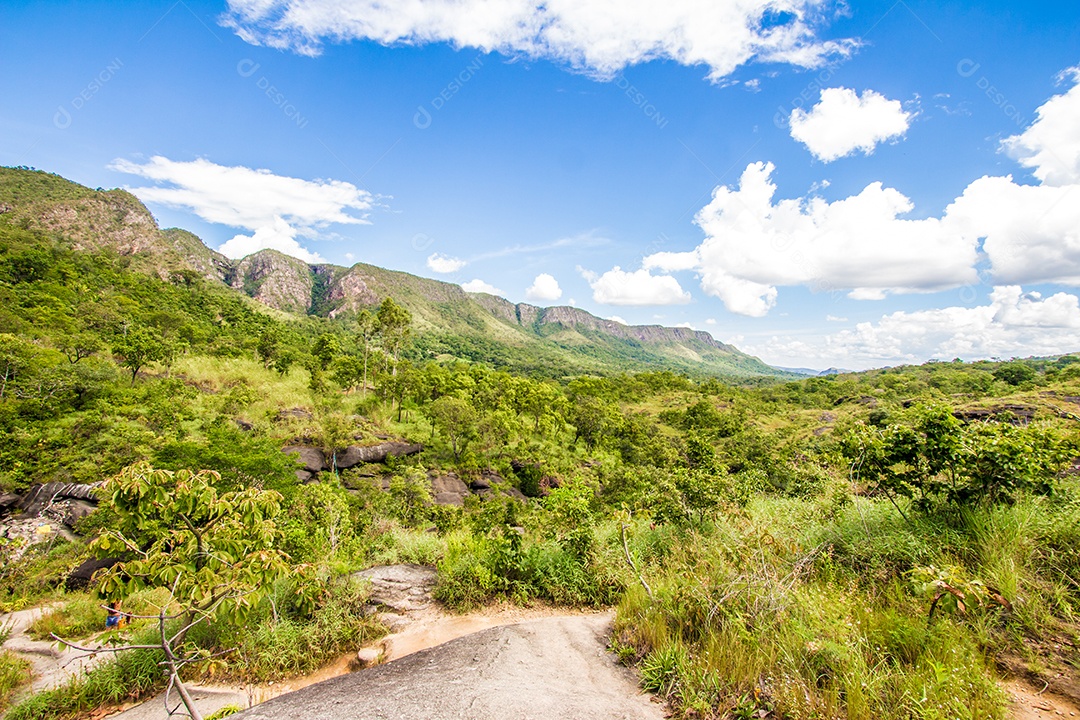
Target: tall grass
(77,617)
(14,673)
(128,676)
(808,611)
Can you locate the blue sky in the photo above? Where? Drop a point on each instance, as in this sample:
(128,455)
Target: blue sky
(821,184)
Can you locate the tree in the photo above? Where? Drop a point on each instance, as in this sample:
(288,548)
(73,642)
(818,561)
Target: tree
(457,420)
(137,347)
(215,552)
(394,326)
(366,327)
(268,345)
(17,356)
(1014,373)
(326,348)
(348,371)
(79,346)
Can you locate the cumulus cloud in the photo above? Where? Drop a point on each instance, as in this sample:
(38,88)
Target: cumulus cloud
(858,244)
(1013,323)
(843,122)
(545,288)
(278,236)
(593,36)
(275,208)
(479,286)
(437,262)
(1051,145)
(616,318)
(618,287)
(1031,233)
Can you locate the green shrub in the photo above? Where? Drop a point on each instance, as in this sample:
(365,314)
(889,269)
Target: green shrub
(77,617)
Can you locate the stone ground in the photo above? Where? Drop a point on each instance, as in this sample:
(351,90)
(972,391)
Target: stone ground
(556,667)
(52,664)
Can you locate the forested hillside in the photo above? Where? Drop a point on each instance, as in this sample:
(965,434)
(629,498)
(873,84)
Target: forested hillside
(448,322)
(884,544)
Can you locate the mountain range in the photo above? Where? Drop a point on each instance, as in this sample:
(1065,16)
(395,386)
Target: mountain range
(448,321)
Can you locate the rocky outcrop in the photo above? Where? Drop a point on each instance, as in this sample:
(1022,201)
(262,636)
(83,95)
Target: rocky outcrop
(448,489)
(315,461)
(357,455)
(1013,414)
(351,291)
(80,577)
(543,320)
(40,498)
(401,589)
(276,279)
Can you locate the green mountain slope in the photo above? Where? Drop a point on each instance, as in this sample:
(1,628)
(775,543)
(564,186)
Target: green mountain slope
(447,320)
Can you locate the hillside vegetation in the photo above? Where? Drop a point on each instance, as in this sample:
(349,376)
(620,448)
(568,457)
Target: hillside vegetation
(448,322)
(875,545)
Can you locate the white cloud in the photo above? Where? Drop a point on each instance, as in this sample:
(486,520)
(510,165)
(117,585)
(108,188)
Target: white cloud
(1051,144)
(598,37)
(278,236)
(616,318)
(617,287)
(1012,324)
(834,318)
(710,321)
(684,325)
(440,263)
(479,286)
(671,261)
(545,288)
(858,244)
(273,207)
(843,122)
(1031,233)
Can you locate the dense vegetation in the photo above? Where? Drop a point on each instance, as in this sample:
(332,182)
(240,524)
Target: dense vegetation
(867,545)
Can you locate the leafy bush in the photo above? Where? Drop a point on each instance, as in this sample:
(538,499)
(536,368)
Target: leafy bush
(77,617)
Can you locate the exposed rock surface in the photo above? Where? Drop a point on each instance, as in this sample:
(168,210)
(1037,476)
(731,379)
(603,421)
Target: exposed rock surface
(448,489)
(80,577)
(400,589)
(552,668)
(537,318)
(52,665)
(276,279)
(357,455)
(39,497)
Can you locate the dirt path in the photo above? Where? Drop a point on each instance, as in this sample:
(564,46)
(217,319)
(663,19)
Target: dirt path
(1028,703)
(52,665)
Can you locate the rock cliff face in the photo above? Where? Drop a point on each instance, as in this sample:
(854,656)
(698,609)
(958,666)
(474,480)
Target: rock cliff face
(351,291)
(277,280)
(537,319)
(105,220)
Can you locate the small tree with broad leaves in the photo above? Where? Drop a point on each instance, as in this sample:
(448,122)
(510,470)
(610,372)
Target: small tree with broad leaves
(215,552)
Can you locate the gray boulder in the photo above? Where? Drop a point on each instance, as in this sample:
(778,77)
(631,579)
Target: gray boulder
(313,458)
(358,455)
